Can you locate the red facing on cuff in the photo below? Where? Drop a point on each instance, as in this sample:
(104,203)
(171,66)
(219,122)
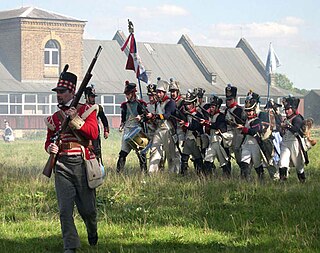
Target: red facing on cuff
(245,130)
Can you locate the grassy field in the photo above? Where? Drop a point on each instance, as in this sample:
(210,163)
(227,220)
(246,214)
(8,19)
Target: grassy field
(162,213)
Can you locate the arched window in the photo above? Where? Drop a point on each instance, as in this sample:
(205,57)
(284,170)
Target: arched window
(51,53)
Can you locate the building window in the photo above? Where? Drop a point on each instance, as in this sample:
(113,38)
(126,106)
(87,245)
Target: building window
(242,100)
(30,98)
(108,99)
(3,98)
(51,53)
(111,103)
(4,109)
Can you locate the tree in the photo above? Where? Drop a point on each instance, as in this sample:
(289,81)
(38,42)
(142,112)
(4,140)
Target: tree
(283,82)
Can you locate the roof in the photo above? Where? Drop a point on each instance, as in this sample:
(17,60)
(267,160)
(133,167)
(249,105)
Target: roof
(231,65)
(35,13)
(164,60)
(161,60)
(317,92)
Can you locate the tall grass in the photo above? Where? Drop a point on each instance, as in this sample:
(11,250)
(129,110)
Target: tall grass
(159,213)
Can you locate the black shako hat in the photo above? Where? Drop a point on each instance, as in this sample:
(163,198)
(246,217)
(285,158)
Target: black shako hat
(67,80)
(231,91)
(90,91)
(292,102)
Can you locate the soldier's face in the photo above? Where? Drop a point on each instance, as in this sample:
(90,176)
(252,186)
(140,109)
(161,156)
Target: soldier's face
(91,99)
(230,101)
(64,96)
(288,112)
(174,94)
(160,94)
(190,106)
(130,96)
(250,113)
(213,109)
(152,99)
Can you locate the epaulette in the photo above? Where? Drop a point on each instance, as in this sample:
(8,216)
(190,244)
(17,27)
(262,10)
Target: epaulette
(50,123)
(123,103)
(88,110)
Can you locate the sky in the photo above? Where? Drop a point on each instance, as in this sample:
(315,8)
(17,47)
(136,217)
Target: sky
(293,26)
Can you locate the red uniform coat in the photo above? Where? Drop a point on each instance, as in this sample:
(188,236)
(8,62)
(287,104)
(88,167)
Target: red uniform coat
(88,131)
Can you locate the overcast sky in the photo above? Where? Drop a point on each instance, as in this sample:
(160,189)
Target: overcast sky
(293,26)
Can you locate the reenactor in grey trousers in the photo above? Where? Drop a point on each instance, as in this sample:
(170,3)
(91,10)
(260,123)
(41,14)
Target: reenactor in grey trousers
(151,107)
(250,148)
(193,131)
(174,89)
(70,172)
(165,138)
(132,112)
(151,124)
(217,126)
(235,117)
(202,110)
(291,150)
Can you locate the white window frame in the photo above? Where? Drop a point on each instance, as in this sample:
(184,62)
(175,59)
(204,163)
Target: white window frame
(51,51)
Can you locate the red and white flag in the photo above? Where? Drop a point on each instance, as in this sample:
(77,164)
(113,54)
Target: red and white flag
(134,61)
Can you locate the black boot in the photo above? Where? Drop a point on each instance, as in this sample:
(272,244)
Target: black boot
(245,171)
(93,240)
(143,162)
(184,164)
(301,177)
(208,168)
(226,170)
(198,163)
(283,174)
(260,172)
(121,161)
(162,162)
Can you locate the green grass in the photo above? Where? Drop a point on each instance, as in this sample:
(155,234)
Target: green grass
(162,213)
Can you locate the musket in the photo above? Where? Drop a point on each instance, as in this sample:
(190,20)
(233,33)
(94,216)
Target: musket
(194,117)
(47,171)
(257,136)
(236,117)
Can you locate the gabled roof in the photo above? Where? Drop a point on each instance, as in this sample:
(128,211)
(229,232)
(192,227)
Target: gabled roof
(231,65)
(160,60)
(317,92)
(34,13)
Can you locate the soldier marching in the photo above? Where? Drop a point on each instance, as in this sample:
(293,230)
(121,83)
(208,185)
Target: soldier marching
(180,127)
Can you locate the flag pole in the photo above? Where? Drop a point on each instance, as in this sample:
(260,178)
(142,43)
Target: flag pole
(269,84)
(272,63)
(131,31)
(140,88)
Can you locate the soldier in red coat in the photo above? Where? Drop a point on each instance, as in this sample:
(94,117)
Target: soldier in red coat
(70,174)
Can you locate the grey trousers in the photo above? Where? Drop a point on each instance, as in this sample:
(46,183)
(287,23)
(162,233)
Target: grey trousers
(72,188)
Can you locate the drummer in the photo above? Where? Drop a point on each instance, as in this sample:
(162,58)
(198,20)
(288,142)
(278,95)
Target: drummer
(131,114)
